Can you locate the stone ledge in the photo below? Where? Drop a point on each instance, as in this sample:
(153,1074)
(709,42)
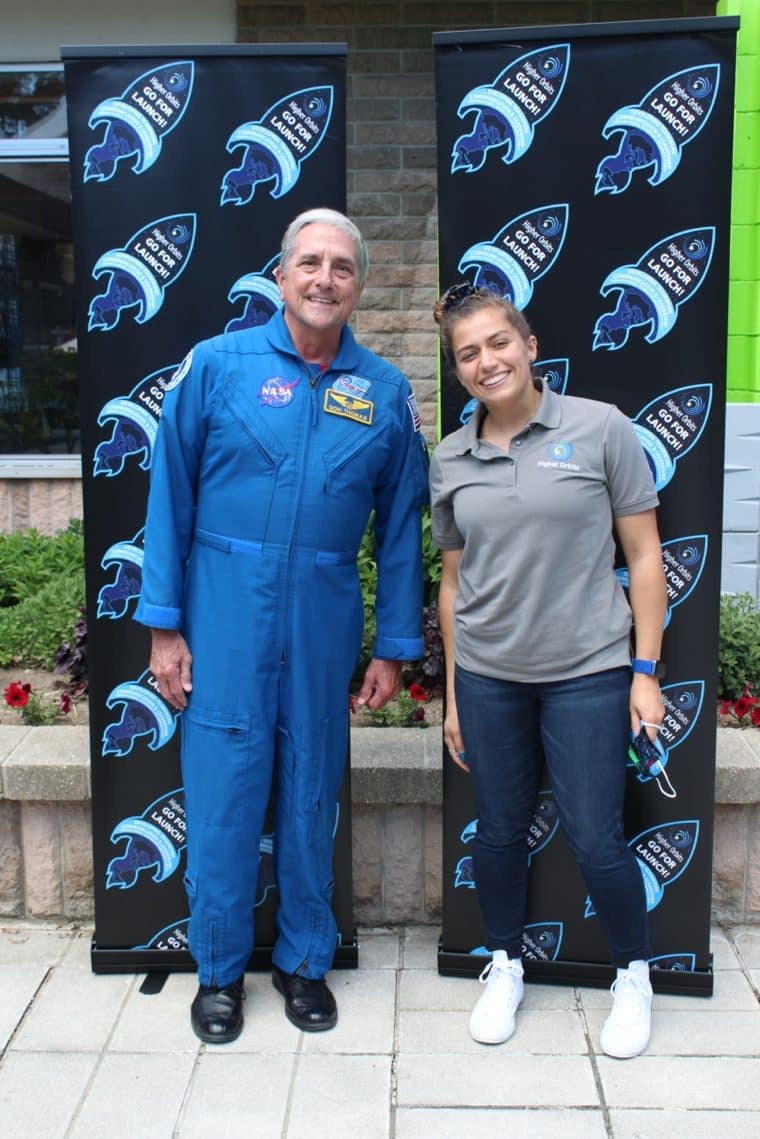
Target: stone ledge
(389,765)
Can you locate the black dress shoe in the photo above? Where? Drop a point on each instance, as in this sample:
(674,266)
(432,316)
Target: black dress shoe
(309,1005)
(217,1014)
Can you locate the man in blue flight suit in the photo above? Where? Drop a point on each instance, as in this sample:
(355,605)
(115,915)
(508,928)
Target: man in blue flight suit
(275,443)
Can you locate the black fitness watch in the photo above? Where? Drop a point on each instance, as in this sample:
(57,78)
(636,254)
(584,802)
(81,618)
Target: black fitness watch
(654,668)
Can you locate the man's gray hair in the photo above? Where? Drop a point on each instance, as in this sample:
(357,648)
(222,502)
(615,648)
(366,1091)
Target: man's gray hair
(324,216)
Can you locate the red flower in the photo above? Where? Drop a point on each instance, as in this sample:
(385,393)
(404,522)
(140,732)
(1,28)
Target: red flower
(726,707)
(755,717)
(352,705)
(65,703)
(743,705)
(17,694)
(418,693)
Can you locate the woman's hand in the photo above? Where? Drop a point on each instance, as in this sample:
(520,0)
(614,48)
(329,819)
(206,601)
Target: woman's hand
(452,736)
(646,703)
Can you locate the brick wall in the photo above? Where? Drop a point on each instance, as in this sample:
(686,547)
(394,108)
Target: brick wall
(391,141)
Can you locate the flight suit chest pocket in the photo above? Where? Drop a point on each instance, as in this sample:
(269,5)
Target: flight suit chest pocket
(239,421)
(358,459)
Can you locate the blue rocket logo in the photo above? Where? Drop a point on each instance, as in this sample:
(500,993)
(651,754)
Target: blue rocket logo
(652,290)
(655,130)
(155,841)
(137,121)
(463,873)
(520,253)
(261,294)
(114,598)
(144,713)
(541,940)
(171,939)
(542,829)
(509,109)
(140,271)
(663,852)
(674,962)
(670,426)
(544,823)
(555,372)
(275,146)
(135,423)
(683,560)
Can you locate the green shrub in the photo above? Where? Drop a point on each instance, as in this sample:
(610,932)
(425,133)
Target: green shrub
(32,631)
(739,645)
(41,594)
(30,560)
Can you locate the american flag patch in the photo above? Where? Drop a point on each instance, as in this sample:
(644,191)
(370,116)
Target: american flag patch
(414,411)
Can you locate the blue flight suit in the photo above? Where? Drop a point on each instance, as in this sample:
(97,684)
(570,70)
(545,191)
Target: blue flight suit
(264,473)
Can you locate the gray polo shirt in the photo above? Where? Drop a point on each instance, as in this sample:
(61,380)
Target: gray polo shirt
(538,596)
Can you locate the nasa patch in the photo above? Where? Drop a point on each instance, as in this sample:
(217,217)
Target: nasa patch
(277,392)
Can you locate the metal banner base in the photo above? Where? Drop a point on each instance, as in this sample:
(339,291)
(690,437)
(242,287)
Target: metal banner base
(121,960)
(696,983)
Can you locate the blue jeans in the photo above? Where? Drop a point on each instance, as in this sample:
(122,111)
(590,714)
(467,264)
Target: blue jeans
(581,727)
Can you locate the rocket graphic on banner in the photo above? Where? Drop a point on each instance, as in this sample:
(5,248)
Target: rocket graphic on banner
(276,145)
(155,841)
(509,109)
(652,290)
(141,270)
(139,119)
(172,937)
(135,422)
(114,598)
(655,131)
(520,253)
(543,827)
(683,560)
(144,713)
(663,852)
(262,297)
(675,962)
(540,941)
(669,426)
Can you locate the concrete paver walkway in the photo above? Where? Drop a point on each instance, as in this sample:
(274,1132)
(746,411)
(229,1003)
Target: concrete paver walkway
(91,1057)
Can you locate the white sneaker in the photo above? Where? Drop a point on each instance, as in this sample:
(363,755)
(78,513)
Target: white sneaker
(625,1032)
(493,1018)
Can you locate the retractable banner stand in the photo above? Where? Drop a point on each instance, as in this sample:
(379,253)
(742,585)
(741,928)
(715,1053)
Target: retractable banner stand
(584,173)
(187,164)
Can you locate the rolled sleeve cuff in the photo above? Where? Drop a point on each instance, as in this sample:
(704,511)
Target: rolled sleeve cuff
(158,616)
(399,648)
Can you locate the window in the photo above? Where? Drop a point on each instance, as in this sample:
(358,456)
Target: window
(39,386)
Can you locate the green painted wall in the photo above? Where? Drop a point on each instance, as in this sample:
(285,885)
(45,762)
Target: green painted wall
(743,372)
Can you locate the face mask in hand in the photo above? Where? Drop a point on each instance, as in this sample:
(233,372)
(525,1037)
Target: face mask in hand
(649,758)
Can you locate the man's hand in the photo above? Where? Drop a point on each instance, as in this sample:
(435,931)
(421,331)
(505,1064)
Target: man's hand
(382,681)
(170,663)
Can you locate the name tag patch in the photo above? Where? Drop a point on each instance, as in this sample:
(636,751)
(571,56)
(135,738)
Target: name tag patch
(348,406)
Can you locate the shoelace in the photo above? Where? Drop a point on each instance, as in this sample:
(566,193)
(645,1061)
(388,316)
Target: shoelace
(511,969)
(629,988)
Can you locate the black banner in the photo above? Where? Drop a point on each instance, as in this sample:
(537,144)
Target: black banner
(187,165)
(584,173)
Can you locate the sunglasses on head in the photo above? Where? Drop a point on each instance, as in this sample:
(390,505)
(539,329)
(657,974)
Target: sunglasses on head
(459,293)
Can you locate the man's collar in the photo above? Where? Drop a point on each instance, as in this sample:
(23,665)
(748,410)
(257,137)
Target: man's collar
(279,337)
